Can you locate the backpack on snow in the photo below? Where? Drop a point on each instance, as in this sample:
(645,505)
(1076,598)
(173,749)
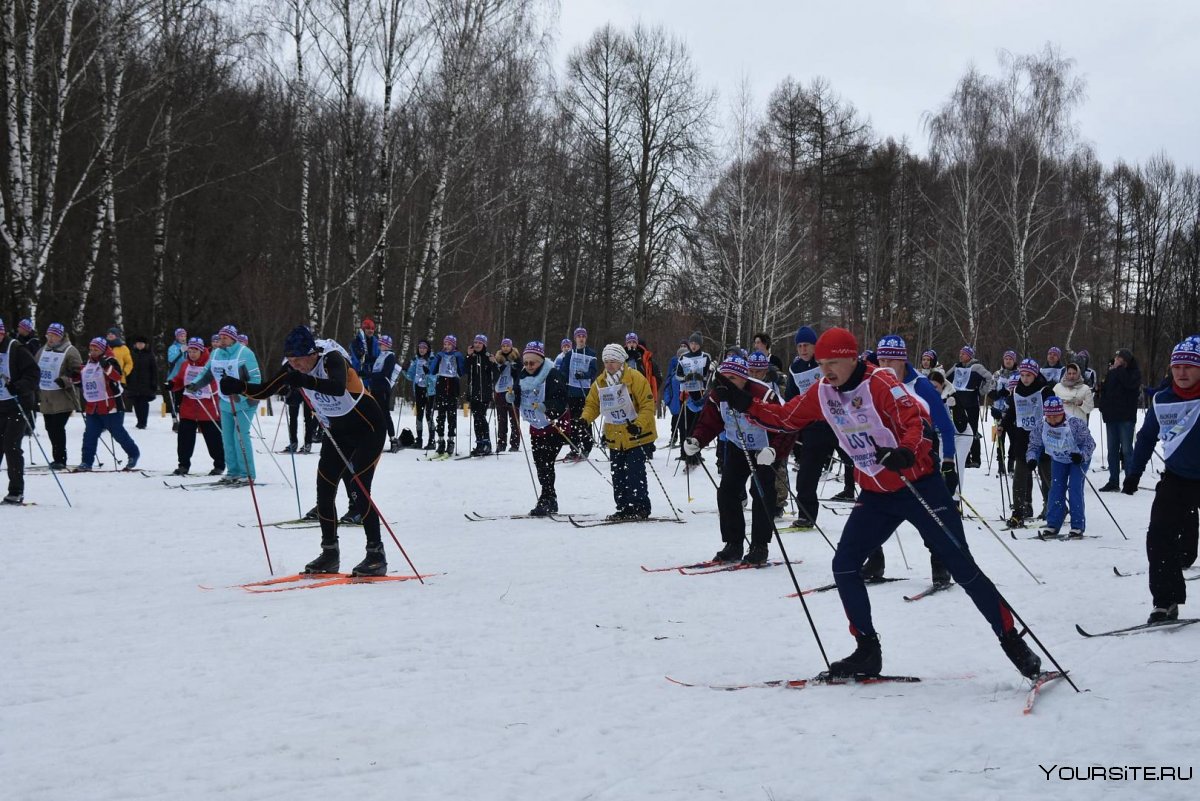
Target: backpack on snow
(407,440)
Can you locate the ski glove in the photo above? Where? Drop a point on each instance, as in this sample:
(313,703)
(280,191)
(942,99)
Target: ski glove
(300,380)
(691,446)
(1131,484)
(232,386)
(724,390)
(63,381)
(766,457)
(1076,458)
(896,459)
(1033,463)
(634,429)
(950,475)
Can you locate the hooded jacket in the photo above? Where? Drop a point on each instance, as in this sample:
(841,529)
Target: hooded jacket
(1077,400)
(121,353)
(57,393)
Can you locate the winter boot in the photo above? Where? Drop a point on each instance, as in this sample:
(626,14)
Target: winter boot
(1025,660)
(872,569)
(545,507)
(179,471)
(732,552)
(441,447)
(867,659)
(328,562)
(375,564)
(757,555)
(1048,533)
(1075,534)
(1164,614)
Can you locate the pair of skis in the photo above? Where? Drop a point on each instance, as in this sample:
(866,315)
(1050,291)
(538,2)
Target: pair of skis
(712,566)
(312,581)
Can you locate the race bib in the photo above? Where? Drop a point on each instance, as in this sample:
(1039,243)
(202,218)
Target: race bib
(743,432)
(49,365)
(692,365)
(505,381)
(448,366)
(1057,441)
(533,408)
(4,377)
(857,424)
(806,378)
(190,374)
(1175,420)
(581,364)
(616,405)
(92,379)
(1029,410)
(962,377)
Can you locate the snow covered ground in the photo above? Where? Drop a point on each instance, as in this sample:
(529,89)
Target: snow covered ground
(533,665)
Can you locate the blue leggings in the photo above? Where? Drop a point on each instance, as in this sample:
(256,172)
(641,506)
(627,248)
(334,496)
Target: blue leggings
(876,516)
(96,424)
(1066,483)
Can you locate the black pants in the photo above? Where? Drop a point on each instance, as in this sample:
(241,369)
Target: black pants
(581,430)
(687,421)
(1022,480)
(56,431)
(294,404)
(13,431)
(817,444)
(1170,540)
(968,417)
(423,405)
(545,445)
(479,410)
(360,435)
(506,413)
(733,489)
(186,443)
(447,418)
(141,408)
(383,397)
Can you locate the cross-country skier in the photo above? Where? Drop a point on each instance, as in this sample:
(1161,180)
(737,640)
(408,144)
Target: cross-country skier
(540,392)
(176,356)
(322,371)
(748,444)
(233,359)
(27,336)
(383,375)
(1053,368)
(1024,414)
(564,348)
(424,387)
(883,429)
(929,363)
(626,399)
(1171,421)
(508,363)
(448,365)
(198,411)
(999,403)
(581,371)
(639,357)
(481,385)
(1069,444)
(100,380)
(59,363)
(19,376)
(971,381)
(691,373)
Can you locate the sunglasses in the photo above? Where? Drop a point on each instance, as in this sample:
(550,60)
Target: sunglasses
(530,362)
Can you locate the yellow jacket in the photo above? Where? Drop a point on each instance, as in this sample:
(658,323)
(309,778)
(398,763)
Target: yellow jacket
(617,436)
(124,360)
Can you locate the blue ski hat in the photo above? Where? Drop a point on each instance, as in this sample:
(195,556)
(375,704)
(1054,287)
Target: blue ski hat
(892,346)
(734,365)
(805,335)
(299,342)
(758,361)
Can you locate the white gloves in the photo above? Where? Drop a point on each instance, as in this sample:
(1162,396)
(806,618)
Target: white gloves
(691,446)
(766,456)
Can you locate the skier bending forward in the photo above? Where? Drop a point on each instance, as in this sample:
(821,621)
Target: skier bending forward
(353,418)
(886,434)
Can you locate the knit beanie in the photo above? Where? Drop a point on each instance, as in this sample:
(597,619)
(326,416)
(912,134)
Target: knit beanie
(805,335)
(614,353)
(892,346)
(836,343)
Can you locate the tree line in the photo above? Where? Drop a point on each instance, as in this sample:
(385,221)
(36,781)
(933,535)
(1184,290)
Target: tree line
(197,162)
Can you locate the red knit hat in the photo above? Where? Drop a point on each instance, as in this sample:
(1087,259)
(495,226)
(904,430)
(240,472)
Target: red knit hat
(836,343)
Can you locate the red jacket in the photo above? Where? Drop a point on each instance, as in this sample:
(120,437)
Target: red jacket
(111,385)
(191,408)
(900,414)
(711,423)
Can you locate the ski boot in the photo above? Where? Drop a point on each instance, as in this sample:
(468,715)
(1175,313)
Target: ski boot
(328,562)
(941,576)
(1164,614)
(1075,534)
(83,468)
(1047,533)
(351,518)
(757,555)
(803,523)
(58,464)
(132,463)
(311,514)
(1025,660)
(428,445)
(1110,486)
(872,569)
(375,564)
(485,448)
(545,507)
(732,552)
(867,659)
(441,447)
(845,495)
(1015,521)
(14,499)
(217,471)
(179,471)
(450,447)
(291,448)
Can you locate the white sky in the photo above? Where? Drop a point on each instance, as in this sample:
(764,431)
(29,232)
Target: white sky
(896,59)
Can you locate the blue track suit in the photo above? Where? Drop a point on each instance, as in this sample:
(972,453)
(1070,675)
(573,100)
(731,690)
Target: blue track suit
(1066,477)
(237,361)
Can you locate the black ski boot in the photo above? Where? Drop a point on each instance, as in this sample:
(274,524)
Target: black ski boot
(485,448)
(867,659)
(375,563)
(450,448)
(429,445)
(441,447)
(328,562)
(844,496)
(351,518)
(757,555)
(803,523)
(1025,660)
(941,576)
(180,471)
(545,507)
(311,514)
(732,552)
(1164,614)
(872,569)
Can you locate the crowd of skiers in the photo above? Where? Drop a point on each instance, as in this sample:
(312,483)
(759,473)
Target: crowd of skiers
(896,428)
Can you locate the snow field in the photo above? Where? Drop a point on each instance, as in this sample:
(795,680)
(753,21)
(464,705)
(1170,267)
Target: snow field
(533,664)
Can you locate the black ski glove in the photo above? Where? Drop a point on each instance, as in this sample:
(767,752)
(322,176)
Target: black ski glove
(300,380)
(232,386)
(896,459)
(1076,458)
(63,381)
(1131,484)
(724,390)
(950,475)
(1033,463)
(634,429)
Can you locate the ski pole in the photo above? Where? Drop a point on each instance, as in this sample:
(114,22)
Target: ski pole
(537,495)
(1105,505)
(255,427)
(762,498)
(650,463)
(28,419)
(574,450)
(929,510)
(999,539)
(329,438)
(279,423)
(237,433)
(804,511)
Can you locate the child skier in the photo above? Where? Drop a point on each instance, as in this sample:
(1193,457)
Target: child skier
(540,392)
(508,362)
(1069,444)
(448,365)
(1023,415)
(424,387)
(581,371)
(481,385)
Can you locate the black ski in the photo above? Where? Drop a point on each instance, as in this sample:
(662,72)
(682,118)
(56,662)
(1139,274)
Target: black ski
(1170,625)
(828,587)
(823,679)
(607,522)
(931,590)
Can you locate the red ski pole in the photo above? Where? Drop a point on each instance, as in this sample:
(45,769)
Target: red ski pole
(237,433)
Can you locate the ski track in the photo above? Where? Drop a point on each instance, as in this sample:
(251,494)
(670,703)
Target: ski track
(534,667)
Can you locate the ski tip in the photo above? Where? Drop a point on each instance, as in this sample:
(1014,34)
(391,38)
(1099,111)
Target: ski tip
(1082,633)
